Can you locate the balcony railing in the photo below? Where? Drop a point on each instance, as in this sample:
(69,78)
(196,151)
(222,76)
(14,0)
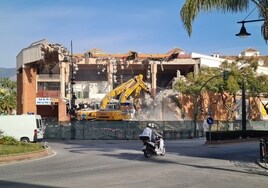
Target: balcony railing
(48,93)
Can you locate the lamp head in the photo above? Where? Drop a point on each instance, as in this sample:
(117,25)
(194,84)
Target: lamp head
(243,32)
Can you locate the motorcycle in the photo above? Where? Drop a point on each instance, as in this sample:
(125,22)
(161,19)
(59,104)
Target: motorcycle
(152,148)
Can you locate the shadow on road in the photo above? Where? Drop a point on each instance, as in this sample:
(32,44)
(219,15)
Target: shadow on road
(22,185)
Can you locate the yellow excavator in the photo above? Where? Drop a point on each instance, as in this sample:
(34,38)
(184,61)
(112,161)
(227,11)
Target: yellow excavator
(116,106)
(122,109)
(86,114)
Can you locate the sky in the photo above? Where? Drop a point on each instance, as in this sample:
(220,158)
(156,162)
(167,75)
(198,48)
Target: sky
(118,26)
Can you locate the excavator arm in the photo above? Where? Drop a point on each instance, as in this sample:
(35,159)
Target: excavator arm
(115,92)
(132,87)
(135,88)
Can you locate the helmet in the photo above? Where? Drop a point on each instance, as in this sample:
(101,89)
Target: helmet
(151,125)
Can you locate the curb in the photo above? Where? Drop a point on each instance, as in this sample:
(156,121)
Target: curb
(263,165)
(26,156)
(231,141)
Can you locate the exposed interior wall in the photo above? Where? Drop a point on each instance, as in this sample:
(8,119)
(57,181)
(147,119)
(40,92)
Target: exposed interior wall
(48,110)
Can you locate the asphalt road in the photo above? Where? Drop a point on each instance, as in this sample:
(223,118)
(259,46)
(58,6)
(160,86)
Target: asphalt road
(187,163)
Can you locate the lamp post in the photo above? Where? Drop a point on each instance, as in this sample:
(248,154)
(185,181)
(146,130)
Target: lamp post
(244,113)
(225,78)
(243,33)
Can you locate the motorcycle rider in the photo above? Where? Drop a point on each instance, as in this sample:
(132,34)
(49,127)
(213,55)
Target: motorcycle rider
(153,135)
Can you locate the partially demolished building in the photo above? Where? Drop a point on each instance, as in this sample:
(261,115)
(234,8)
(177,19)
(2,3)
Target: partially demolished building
(46,70)
(49,77)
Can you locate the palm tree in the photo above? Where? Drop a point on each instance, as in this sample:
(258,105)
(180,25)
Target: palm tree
(191,9)
(8,101)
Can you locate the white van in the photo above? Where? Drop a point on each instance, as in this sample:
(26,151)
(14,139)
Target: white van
(25,128)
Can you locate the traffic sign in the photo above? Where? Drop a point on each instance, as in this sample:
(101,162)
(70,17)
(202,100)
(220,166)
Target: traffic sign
(84,116)
(210,120)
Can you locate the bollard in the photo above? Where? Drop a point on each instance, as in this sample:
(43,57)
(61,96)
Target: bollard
(262,150)
(73,131)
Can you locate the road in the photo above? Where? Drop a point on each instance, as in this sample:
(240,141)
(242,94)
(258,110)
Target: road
(187,163)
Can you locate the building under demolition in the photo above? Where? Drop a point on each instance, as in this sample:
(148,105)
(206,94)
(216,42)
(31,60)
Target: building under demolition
(51,80)
(48,74)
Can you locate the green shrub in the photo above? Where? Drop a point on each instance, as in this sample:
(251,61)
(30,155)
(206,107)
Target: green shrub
(9,140)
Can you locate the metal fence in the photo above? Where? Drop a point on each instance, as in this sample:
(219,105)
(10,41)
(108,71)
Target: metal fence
(116,130)
(130,130)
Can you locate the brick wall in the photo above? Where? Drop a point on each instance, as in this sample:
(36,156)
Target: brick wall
(29,90)
(19,93)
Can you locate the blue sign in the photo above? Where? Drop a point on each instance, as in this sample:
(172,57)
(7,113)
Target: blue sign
(210,120)
(84,116)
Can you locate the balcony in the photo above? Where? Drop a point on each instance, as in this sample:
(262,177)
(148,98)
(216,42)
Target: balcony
(48,93)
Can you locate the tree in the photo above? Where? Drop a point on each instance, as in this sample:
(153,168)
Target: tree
(255,85)
(192,8)
(8,101)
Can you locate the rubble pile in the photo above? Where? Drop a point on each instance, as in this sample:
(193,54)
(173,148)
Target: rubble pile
(162,108)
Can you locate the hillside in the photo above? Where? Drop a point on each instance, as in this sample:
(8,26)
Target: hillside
(8,72)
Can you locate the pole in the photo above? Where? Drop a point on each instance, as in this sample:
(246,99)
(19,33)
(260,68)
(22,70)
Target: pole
(247,21)
(196,107)
(72,107)
(195,116)
(244,115)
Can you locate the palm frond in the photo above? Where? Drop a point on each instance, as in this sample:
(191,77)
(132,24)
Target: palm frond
(192,8)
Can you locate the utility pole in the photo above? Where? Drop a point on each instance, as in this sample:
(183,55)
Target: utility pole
(73,97)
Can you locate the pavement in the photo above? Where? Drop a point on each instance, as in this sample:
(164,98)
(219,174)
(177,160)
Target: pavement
(260,163)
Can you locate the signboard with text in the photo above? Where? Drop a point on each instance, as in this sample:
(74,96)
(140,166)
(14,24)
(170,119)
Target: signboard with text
(43,101)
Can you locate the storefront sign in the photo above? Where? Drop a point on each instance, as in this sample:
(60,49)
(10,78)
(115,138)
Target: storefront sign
(43,101)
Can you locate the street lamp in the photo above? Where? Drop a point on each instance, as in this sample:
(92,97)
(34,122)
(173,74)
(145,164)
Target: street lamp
(243,32)
(225,75)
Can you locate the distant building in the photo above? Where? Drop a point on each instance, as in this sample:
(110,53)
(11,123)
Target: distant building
(249,52)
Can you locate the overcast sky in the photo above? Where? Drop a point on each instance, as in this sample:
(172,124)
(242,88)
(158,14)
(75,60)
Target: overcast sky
(117,26)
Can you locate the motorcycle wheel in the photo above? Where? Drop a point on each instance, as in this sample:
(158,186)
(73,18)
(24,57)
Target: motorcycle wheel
(164,151)
(147,154)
